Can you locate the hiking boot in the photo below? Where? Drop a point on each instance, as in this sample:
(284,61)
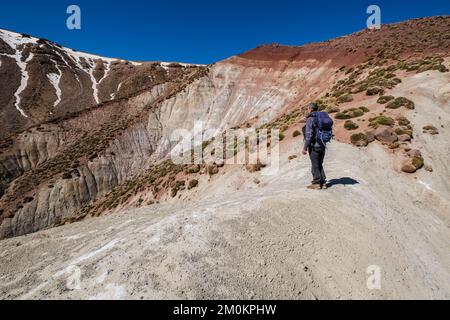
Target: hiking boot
(314,186)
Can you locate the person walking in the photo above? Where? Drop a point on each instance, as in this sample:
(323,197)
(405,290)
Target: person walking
(317,132)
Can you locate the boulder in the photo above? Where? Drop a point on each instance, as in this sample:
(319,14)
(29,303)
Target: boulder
(370,135)
(385,134)
(404,138)
(414,153)
(412,164)
(408,167)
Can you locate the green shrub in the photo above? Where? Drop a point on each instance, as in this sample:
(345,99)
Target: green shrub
(394,145)
(364,109)
(354,112)
(401,131)
(345,98)
(193,184)
(385,99)
(374,91)
(28,199)
(212,170)
(351,113)
(332,109)
(403,121)
(350,125)
(342,116)
(193,169)
(418,162)
(296,134)
(381,120)
(359,139)
(401,102)
(390,76)
(66,176)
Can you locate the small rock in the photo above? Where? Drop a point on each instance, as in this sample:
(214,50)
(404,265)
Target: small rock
(408,168)
(404,138)
(385,134)
(370,136)
(430,130)
(429,168)
(414,153)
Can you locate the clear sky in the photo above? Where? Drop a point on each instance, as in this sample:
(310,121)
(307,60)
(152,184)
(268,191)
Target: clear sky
(200,31)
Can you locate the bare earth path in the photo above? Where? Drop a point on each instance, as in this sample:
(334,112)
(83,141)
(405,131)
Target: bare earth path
(272,240)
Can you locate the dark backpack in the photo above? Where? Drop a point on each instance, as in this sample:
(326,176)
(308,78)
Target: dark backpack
(324,128)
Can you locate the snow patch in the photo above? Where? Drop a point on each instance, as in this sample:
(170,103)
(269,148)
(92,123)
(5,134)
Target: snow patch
(91,59)
(55,80)
(114,94)
(93,80)
(16,41)
(68,65)
(166,65)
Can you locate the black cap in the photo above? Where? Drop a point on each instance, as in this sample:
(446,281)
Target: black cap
(314,106)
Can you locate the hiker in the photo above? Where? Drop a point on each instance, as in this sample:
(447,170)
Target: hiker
(317,132)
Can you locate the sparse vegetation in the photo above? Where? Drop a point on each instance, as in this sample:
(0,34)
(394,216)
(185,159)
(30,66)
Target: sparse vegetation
(385,99)
(192,184)
(296,134)
(345,98)
(403,121)
(359,139)
(381,120)
(350,125)
(400,102)
(351,113)
(418,162)
(374,91)
(66,176)
(402,131)
(179,185)
(332,109)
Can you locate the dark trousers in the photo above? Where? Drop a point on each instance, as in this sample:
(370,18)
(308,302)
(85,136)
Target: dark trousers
(317,155)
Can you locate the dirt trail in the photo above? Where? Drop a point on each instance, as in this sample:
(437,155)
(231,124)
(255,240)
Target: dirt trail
(273,240)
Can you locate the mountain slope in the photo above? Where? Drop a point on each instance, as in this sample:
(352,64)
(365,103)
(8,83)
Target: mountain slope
(42,81)
(274,240)
(115,156)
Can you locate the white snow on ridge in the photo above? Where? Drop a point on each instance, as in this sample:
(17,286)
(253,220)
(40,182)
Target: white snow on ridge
(77,55)
(91,60)
(166,65)
(15,40)
(67,64)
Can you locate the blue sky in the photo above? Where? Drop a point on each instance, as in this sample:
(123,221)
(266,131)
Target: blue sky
(200,31)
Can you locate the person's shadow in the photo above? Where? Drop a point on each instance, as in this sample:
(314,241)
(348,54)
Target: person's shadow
(342,181)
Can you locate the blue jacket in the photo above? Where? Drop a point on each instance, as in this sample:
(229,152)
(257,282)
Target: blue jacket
(310,132)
